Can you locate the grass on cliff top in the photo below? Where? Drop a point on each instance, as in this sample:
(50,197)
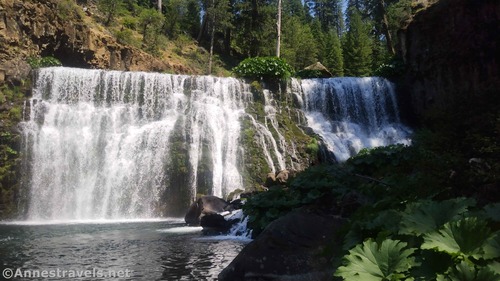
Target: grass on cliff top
(182,52)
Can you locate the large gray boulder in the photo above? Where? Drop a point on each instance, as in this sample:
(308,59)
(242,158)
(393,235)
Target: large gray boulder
(206,205)
(290,248)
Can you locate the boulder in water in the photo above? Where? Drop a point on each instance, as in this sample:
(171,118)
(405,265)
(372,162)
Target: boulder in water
(215,224)
(207,205)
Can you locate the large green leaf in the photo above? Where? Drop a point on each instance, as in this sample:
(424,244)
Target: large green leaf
(492,247)
(468,272)
(493,211)
(495,267)
(426,216)
(468,237)
(372,261)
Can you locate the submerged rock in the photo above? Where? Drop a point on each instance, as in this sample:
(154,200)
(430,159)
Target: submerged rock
(290,248)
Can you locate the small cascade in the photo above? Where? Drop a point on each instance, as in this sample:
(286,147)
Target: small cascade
(280,145)
(240,228)
(352,113)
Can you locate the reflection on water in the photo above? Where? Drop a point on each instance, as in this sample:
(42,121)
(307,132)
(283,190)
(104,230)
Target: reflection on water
(148,249)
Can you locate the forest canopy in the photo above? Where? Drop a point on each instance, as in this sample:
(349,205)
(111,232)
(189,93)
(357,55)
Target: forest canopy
(352,38)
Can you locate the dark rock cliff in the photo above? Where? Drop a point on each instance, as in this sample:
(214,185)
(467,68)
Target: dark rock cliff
(453,56)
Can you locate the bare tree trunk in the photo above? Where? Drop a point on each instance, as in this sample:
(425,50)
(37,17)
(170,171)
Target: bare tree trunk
(210,58)
(159,6)
(278,24)
(211,50)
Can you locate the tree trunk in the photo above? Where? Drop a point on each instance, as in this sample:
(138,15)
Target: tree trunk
(227,41)
(159,6)
(211,49)
(212,34)
(278,24)
(385,26)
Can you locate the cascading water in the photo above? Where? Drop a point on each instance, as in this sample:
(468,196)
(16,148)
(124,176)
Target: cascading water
(106,144)
(351,113)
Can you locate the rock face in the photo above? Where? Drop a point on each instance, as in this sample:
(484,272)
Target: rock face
(43,27)
(290,248)
(452,50)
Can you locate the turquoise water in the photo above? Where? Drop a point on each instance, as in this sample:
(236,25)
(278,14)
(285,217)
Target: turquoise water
(148,250)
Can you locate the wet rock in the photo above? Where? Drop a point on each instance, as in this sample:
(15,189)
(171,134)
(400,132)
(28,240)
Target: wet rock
(290,248)
(204,206)
(214,224)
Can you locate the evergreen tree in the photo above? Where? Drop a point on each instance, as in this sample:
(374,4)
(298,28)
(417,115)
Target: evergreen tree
(255,28)
(357,47)
(330,15)
(218,18)
(334,59)
(299,44)
(191,21)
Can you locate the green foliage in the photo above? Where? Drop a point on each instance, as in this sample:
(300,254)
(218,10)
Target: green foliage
(313,147)
(254,30)
(110,8)
(357,47)
(126,36)
(458,247)
(393,69)
(389,260)
(38,62)
(265,207)
(130,22)
(11,100)
(426,215)
(334,57)
(298,55)
(263,68)
(150,23)
(468,238)
(67,9)
(468,272)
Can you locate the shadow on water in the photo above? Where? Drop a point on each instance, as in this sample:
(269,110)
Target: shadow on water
(162,250)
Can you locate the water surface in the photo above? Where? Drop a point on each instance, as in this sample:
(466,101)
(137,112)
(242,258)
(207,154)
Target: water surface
(151,250)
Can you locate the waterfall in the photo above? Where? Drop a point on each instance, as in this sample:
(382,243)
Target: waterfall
(121,145)
(110,144)
(351,113)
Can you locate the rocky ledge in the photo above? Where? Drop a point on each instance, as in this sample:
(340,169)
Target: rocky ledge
(42,27)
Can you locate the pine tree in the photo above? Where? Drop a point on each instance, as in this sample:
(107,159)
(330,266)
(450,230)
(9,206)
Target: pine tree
(334,59)
(357,47)
(191,21)
(255,28)
(219,18)
(299,44)
(329,13)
